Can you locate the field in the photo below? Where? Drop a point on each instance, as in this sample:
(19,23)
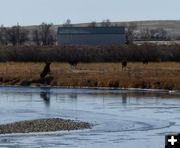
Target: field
(162,75)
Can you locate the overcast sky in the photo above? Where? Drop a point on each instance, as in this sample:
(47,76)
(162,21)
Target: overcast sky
(34,12)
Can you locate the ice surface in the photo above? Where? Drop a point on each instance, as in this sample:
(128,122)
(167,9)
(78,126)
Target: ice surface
(119,119)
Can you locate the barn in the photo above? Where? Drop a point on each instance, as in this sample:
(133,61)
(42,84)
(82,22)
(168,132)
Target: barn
(91,35)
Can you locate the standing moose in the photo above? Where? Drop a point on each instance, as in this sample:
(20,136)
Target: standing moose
(46,70)
(73,62)
(124,63)
(145,61)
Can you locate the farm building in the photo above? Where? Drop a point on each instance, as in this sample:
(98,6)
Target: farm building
(91,35)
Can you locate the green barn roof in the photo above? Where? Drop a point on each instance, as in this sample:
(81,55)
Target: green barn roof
(91,30)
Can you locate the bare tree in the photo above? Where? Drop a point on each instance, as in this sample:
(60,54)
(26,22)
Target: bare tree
(160,34)
(130,33)
(154,34)
(46,34)
(106,23)
(17,35)
(36,37)
(146,34)
(67,23)
(3,35)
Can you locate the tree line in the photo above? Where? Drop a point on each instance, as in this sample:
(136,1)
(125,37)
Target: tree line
(114,53)
(18,35)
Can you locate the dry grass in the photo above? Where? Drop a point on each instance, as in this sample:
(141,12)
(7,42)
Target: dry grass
(165,75)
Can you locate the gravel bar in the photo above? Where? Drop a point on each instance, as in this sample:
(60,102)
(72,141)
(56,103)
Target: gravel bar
(42,125)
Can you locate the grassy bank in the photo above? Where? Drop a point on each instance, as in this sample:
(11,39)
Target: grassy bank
(162,75)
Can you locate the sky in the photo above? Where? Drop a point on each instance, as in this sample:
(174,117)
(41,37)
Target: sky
(34,12)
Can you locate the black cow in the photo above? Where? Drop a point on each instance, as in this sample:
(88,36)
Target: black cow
(46,70)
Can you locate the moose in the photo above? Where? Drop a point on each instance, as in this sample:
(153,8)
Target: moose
(145,61)
(46,70)
(124,63)
(73,62)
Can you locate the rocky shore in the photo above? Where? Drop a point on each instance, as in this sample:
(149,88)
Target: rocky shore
(42,125)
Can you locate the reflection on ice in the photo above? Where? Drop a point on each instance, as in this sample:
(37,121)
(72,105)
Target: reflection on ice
(45,95)
(124,98)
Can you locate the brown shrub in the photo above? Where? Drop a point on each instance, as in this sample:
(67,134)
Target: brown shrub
(113,83)
(113,53)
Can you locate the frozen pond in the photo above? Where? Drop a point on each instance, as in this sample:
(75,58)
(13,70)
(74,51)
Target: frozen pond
(121,119)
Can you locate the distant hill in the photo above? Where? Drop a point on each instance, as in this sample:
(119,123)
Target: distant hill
(171,26)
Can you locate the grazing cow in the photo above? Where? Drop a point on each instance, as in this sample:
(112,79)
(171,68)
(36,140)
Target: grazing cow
(46,70)
(145,61)
(124,63)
